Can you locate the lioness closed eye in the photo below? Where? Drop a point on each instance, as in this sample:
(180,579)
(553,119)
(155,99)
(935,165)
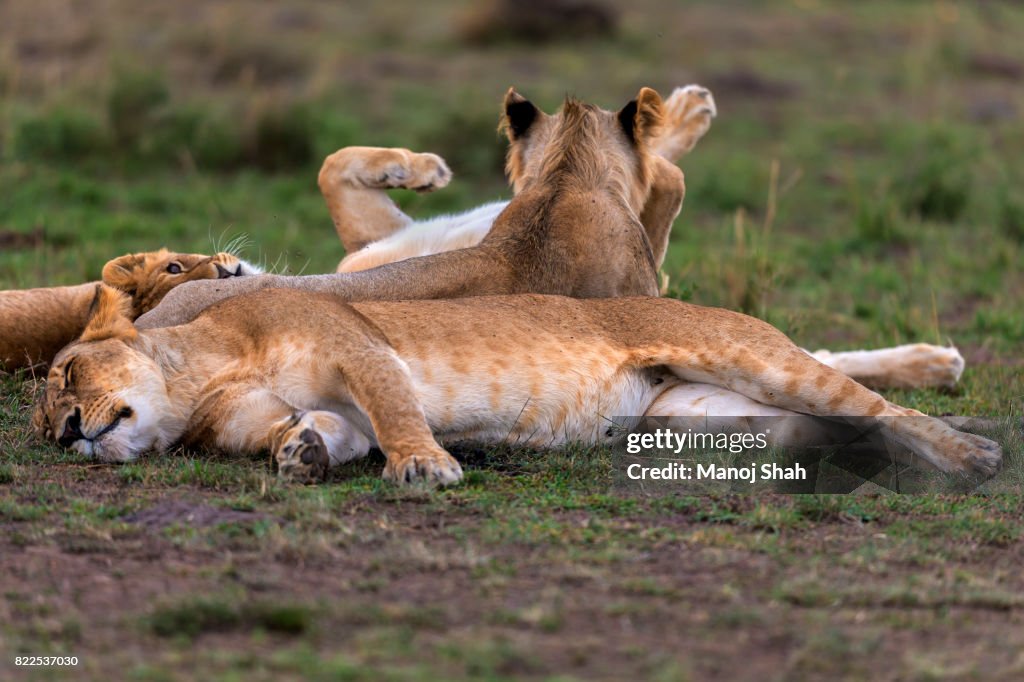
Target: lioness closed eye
(36,323)
(318,381)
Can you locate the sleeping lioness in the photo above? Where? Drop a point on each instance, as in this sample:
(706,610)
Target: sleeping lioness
(36,323)
(318,381)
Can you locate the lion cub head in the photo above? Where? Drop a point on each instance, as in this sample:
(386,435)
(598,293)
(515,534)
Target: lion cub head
(104,398)
(147,277)
(605,146)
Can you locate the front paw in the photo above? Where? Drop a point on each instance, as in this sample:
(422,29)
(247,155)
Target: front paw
(302,455)
(432,468)
(934,366)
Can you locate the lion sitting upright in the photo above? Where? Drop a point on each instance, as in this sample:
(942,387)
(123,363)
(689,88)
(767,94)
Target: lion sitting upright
(374,231)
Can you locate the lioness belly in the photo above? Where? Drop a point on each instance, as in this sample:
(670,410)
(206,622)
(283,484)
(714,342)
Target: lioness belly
(539,400)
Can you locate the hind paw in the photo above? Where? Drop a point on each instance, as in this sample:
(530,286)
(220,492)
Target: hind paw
(688,113)
(982,455)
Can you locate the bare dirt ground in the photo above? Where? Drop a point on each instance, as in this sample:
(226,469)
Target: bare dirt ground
(423,585)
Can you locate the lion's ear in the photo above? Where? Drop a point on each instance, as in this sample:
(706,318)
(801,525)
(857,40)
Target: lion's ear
(520,114)
(109,316)
(120,272)
(642,117)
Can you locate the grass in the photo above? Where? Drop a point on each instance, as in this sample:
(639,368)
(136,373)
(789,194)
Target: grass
(858,189)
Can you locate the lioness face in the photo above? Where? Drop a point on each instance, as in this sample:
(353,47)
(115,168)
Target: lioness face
(618,142)
(147,277)
(104,399)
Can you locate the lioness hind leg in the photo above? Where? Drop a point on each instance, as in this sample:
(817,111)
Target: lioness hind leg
(687,117)
(353,179)
(305,444)
(756,360)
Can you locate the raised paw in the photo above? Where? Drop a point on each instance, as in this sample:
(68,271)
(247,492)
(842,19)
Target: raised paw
(432,468)
(301,455)
(688,113)
(419,172)
(385,168)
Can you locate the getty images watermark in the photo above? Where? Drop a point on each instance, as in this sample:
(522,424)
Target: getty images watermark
(712,455)
(670,440)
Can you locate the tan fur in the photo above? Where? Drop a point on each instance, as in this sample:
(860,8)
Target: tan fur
(573,227)
(36,323)
(374,231)
(316,380)
(361,217)
(687,115)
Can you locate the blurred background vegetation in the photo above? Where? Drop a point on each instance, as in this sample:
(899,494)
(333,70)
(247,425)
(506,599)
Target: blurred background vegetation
(858,186)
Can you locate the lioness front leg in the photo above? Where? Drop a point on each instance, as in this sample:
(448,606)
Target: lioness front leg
(305,444)
(665,200)
(687,117)
(353,179)
(380,385)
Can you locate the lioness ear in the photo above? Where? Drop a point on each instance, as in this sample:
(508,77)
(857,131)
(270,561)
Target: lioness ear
(120,272)
(520,114)
(109,316)
(642,117)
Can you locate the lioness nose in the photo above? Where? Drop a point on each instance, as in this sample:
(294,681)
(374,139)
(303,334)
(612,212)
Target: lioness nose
(223,272)
(72,430)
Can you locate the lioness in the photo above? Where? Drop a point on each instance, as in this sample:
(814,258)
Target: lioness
(374,231)
(36,323)
(589,195)
(318,381)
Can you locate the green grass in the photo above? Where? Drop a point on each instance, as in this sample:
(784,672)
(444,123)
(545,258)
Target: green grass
(195,617)
(858,189)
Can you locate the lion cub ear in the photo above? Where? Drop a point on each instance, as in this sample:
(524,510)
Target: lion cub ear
(642,117)
(120,272)
(520,114)
(109,316)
